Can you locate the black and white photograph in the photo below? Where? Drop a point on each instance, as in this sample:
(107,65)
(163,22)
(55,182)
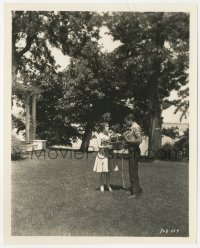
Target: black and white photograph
(99,107)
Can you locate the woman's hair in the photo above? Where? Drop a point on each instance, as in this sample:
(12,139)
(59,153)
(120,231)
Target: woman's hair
(130,116)
(102,126)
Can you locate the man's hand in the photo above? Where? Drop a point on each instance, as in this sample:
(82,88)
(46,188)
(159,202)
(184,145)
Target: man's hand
(129,137)
(110,147)
(125,133)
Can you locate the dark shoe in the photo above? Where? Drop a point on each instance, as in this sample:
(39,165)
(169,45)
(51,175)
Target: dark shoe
(139,192)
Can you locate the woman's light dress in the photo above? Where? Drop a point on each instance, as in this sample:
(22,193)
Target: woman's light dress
(105,161)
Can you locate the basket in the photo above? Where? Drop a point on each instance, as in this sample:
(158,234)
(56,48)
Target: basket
(118,145)
(115,142)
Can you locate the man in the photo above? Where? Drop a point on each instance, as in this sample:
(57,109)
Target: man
(133,138)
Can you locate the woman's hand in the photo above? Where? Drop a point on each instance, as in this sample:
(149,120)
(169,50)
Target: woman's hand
(106,147)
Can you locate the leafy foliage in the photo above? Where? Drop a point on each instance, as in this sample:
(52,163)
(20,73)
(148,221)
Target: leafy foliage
(179,150)
(16,147)
(183,143)
(35,66)
(89,92)
(182,103)
(171,132)
(18,123)
(146,38)
(153,60)
(51,124)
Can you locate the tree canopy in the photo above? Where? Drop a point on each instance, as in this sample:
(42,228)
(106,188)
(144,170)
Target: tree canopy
(151,61)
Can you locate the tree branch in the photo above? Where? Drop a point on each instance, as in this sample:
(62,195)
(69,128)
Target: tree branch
(29,41)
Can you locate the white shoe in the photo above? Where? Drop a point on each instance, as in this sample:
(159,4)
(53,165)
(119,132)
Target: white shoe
(110,189)
(133,197)
(116,168)
(102,188)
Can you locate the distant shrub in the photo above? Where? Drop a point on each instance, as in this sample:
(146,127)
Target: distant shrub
(179,150)
(169,152)
(171,132)
(16,147)
(183,143)
(18,123)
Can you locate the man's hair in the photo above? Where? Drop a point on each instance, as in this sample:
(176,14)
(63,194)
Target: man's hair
(102,126)
(130,117)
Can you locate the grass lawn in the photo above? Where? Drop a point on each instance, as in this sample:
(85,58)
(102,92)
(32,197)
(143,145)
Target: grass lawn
(60,197)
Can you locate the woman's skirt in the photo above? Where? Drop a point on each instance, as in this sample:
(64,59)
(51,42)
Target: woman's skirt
(105,161)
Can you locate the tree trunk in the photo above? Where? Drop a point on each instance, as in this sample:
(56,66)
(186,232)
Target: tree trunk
(86,138)
(14,75)
(34,116)
(154,133)
(14,67)
(155,114)
(27,105)
(15,60)
(154,104)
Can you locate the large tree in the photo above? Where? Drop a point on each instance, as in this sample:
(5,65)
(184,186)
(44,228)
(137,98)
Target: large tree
(153,58)
(33,31)
(90,90)
(151,62)
(33,66)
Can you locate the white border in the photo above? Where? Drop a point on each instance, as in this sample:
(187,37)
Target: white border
(192,122)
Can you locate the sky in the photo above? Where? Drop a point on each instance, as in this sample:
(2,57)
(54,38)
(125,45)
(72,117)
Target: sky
(109,45)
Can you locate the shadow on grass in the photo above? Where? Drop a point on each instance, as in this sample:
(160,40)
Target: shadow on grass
(115,188)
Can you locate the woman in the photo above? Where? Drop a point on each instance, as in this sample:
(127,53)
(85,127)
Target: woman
(104,162)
